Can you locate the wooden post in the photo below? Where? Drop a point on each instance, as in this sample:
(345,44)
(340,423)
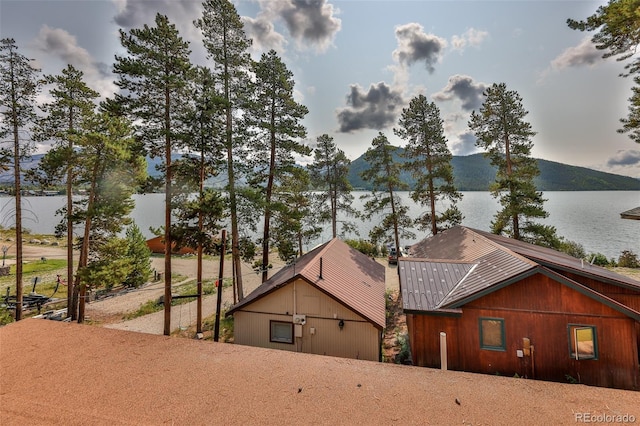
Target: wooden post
(223,249)
(443,350)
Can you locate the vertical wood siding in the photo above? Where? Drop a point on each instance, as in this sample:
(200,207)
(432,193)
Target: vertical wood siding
(540,309)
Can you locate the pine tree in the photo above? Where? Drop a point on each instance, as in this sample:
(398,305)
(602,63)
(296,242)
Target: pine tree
(18,89)
(73,102)
(138,254)
(154,76)
(429,161)
(330,176)
(227,46)
(501,130)
(275,116)
(111,169)
(618,35)
(384,201)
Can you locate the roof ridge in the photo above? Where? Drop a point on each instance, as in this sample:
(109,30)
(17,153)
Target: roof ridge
(501,247)
(322,249)
(455,287)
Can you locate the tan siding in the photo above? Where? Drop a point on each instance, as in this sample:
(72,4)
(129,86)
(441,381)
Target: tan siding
(358,338)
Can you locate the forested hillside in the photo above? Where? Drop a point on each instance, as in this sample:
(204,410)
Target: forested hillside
(474,173)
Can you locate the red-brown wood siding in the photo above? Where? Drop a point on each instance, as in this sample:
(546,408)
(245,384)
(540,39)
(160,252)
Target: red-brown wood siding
(540,309)
(627,296)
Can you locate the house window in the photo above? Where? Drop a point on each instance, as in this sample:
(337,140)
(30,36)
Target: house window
(281,332)
(583,343)
(492,334)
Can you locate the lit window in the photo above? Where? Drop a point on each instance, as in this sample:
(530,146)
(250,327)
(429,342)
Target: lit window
(492,334)
(281,332)
(583,343)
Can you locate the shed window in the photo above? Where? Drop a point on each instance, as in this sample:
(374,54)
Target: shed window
(583,343)
(281,332)
(492,334)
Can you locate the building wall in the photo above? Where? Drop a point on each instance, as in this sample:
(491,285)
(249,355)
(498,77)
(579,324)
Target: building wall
(321,334)
(539,309)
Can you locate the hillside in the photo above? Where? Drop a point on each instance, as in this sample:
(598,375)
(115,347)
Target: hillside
(471,173)
(475,173)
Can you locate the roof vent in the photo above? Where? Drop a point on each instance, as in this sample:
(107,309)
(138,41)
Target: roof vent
(320,276)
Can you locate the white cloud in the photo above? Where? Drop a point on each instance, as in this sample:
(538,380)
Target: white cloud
(472,37)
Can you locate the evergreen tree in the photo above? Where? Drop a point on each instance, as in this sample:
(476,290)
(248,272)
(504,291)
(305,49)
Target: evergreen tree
(429,161)
(618,34)
(330,176)
(111,169)
(501,130)
(72,103)
(384,201)
(227,46)
(154,77)
(138,254)
(275,116)
(296,215)
(18,89)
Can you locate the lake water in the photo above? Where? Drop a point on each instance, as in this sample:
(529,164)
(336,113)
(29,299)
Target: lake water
(591,218)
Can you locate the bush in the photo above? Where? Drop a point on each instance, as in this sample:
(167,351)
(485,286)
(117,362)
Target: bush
(365,247)
(628,259)
(600,260)
(5,316)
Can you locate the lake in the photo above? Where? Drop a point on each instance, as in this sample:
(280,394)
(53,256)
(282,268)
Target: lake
(591,218)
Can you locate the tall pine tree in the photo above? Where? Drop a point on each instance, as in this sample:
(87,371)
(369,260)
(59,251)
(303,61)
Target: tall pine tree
(275,116)
(429,161)
(228,47)
(384,202)
(73,102)
(18,89)
(153,76)
(501,130)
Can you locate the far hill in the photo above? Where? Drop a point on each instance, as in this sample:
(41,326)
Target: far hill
(475,173)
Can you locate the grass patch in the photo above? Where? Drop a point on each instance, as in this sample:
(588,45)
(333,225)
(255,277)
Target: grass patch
(147,308)
(45,271)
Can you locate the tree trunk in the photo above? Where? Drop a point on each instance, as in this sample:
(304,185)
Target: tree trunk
(16,176)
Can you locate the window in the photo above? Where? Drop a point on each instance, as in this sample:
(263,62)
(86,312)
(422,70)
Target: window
(583,343)
(492,334)
(281,332)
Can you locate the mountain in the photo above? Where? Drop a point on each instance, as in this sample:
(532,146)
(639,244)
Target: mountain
(471,173)
(475,173)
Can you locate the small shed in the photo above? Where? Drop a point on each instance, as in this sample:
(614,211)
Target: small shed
(513,308)
(330,301)
(156,245)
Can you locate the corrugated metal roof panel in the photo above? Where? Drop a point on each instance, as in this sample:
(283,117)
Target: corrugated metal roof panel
(425,284)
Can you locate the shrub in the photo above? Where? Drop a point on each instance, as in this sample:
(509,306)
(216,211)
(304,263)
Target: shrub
(628,259)
(365,247)
(600,260)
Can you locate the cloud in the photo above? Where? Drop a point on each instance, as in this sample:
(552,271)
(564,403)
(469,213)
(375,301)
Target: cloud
(583,54)
(263,33)
(465,145)
(471,37)
(58,43)
(414,45)
(311,23)
(464,88)
(376,108)
(625,158)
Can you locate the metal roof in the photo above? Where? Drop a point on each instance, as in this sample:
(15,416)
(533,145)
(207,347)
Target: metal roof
(490,264)
(342,272)
(428,283)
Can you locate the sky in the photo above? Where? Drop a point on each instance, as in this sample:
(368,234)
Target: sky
(358,63)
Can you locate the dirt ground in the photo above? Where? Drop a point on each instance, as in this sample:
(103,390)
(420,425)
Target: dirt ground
(109,312)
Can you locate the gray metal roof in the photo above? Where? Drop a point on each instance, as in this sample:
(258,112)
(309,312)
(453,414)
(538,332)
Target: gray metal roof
(344,273)
(488,264)
(484,262)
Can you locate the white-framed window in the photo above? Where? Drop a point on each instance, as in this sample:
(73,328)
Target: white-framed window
(281,332)
(583,342)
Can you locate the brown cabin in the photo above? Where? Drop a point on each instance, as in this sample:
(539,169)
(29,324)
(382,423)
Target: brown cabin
(156,245)
(512,308)
(331,301)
